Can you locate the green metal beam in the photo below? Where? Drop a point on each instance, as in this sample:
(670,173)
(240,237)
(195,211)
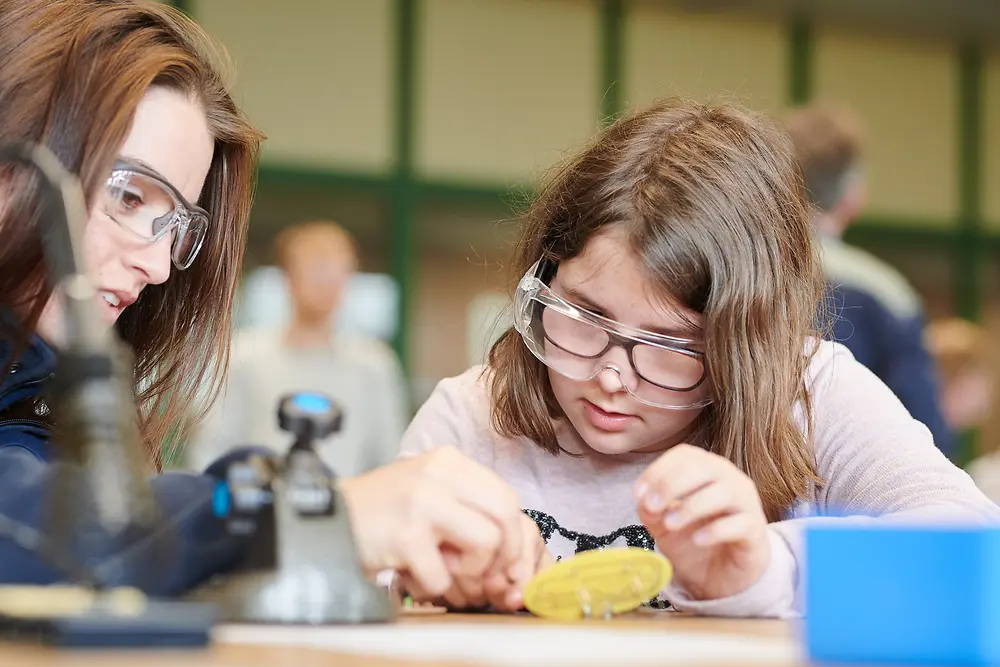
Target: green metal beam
(403,200)
(800,65)
(611,46)
(969,247)
(902,233)
(968,255)
(871,229)
(278,176)
(488,196)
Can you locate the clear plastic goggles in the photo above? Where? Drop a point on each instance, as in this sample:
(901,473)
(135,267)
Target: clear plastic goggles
(144,203)
(663,372)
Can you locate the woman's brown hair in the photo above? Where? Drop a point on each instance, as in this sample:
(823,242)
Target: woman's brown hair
(713,207)
(73,73)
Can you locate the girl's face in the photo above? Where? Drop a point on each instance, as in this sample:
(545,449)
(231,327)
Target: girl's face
(169,136)
(606,278)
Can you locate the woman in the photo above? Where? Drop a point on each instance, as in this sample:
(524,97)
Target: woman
(129,96)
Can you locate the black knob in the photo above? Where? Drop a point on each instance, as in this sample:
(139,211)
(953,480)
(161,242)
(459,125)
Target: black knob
(309,415)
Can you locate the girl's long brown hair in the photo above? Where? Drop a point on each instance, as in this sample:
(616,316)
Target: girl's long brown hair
(73,74)
(714,209)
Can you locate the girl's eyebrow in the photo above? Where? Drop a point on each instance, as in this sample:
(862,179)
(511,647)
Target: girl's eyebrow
(681,331)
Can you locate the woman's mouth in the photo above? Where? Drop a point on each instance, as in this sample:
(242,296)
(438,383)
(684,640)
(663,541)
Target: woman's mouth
(111,305)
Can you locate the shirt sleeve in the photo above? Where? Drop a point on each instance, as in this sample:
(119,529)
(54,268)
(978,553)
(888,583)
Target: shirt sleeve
(877,464)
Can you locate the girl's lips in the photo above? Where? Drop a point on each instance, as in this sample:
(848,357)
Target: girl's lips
(604,420)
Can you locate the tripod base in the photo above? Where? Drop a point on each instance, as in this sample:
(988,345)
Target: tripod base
(316,579)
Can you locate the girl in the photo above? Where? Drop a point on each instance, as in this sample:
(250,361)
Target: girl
(128,95)
(663,385)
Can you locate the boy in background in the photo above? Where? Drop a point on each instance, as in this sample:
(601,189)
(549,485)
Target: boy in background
(877,313)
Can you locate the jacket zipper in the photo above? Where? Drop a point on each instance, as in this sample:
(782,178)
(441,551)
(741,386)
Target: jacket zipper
(30,383)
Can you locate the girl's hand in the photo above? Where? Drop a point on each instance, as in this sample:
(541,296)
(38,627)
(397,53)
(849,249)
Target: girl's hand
(434,518)
(706,517)
(496,589)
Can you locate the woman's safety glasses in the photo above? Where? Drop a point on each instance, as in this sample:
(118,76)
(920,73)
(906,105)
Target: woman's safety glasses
(144,203)
(664,371)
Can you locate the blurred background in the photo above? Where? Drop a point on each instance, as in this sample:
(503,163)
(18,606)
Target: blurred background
(421,126)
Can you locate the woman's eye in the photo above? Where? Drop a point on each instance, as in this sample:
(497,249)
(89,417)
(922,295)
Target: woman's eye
(131,200)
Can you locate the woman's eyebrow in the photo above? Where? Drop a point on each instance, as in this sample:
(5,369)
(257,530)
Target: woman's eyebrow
(142,163)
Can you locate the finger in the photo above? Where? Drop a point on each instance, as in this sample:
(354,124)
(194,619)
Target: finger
(496,588)
(503,507)
(452,558)
(455,599)
(712,500)
(425,564)
(471,589)
(536,554)
(514,600)
(475,537)
(671,478)
(479,488)
(728,529)
(504,591)
(410,587)
(673,485)
(545,560)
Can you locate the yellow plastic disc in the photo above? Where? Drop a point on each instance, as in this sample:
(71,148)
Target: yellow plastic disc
(598,583)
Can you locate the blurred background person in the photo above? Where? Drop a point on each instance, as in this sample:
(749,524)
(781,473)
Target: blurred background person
(362,375)
(962,355)
(876,313)
(967,363)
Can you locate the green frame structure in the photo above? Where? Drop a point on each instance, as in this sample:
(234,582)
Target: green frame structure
(968,242)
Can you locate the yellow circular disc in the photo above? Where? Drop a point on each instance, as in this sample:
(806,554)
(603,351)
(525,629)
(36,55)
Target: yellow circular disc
(598,583)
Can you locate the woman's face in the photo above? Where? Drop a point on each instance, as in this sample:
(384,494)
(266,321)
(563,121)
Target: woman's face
(169,135)
(606,278)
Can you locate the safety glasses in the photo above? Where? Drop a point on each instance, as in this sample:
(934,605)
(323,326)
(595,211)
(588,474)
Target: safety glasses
(663,371)
(144,203)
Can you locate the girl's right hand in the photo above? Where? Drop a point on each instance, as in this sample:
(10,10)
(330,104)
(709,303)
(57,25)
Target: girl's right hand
(435,518)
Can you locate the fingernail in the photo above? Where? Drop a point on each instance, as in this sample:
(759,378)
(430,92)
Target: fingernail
(641,489)
(514,600)
(700,538)
(672,520)
(654,502)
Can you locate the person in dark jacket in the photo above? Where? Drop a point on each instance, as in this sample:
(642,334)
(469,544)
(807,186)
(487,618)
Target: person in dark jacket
(875,312)
(126,95)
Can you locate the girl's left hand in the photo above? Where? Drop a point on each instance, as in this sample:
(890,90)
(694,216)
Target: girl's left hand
(706,517)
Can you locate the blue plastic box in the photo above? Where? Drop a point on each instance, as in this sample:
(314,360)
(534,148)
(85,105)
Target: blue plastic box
(902,595)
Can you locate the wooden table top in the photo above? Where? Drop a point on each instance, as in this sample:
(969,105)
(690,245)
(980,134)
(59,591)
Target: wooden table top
(222,654)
